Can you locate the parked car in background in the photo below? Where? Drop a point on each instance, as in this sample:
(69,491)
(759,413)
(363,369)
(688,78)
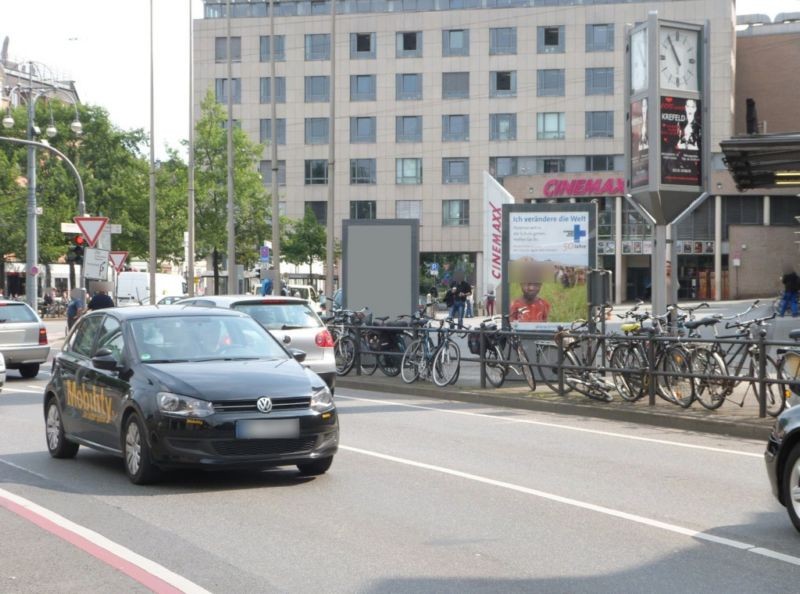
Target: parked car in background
(133,288)
(2,372)
(170,299)
(306,292)
(289,319)
(23,338)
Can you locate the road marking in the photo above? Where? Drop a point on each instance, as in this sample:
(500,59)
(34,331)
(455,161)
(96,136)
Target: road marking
(150,574)
(28,470)
(559,426)
(12,390)
(735,544)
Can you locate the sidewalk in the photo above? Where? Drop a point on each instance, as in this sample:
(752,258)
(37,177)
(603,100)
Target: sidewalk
(729,419)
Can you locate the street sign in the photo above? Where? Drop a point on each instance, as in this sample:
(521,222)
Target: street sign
(34,270)
(91,227)
(434,269)
(264,253)
(117,259)
(95,264)
(113,228)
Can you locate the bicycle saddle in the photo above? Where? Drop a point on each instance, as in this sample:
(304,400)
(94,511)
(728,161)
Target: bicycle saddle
(695,324)
(631,327)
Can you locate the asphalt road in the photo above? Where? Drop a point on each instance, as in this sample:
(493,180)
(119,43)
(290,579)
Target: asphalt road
(424,496)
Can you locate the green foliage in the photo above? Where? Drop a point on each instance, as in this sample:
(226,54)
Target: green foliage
(305,241)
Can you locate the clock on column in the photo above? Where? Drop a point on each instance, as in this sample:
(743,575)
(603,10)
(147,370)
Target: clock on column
(639,69)
(678,59)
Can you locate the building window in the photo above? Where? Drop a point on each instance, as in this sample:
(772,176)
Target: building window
(363,172)
(264,89)
(455,85)
(363,209)
(599,81)
(503,41)
(409,44)
(237,125)
(455,213)
(550,40)
(408,129)
(783,210)
(553,165)
(362,87)
(455,127)
(455,171)
(317,89)
(600,163)
(600,38)
(408,209)
(503,126)
(221,90)
(409,171)
(409,86)
(317,130)
(265,168)
(318,46)
(265,131)
(455,42)
(503,83)
(316,172)
(362,129)
(550,125)
(264,48)
(501,167)
(550,83)
(221,49)
(599,124)
(320,210)
(362,46)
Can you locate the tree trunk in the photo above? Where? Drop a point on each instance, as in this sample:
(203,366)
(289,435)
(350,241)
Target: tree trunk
(3,274)
(215,262)
(311,271)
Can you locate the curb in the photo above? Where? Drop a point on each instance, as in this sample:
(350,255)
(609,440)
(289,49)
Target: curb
(758,429)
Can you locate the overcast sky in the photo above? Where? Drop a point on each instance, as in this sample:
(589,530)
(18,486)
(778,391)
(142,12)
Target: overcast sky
(104,46)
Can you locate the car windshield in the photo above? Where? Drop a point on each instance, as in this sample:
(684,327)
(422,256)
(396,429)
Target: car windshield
(280,315)
(202,338)
(16,312)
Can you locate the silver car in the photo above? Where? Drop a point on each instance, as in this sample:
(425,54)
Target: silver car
(289,319)
(23,338)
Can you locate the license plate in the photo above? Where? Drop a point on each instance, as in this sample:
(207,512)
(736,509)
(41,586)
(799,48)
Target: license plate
(268,428)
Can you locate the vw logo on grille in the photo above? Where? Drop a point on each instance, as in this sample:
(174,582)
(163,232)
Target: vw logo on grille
(264,404)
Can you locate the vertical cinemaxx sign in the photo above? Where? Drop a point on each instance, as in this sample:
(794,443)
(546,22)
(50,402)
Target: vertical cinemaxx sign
(666,125)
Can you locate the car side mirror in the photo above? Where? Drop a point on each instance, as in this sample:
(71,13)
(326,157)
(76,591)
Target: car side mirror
(298,355)
(104,359)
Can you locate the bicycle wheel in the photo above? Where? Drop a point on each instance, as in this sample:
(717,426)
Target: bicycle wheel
(630,384)
(344,350)
(390,364)
(547,363)
(495,370)
(412,360)
(677,389)
(581,380)
(527,368)
(369,360)
(775,393)
(446,364)
(710,391)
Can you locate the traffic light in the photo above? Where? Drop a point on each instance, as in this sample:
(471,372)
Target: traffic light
(75,253)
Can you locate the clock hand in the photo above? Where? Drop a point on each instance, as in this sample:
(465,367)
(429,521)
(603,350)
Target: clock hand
(674,53)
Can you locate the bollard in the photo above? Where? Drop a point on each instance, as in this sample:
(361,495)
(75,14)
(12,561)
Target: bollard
(762,374)
(358,350)
(651,367)
(482,353)
(560,345)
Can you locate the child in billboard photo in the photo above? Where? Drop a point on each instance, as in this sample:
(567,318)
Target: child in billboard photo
(529,307)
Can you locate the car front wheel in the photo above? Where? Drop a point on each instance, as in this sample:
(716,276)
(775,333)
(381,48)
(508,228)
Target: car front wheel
(138,464)
(316,467)
(791,485)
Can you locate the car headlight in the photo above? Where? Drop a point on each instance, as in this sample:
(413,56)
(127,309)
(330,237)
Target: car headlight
(183,406)
(321,399)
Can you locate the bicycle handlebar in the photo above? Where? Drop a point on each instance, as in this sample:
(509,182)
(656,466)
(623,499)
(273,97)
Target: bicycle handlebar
(749,323)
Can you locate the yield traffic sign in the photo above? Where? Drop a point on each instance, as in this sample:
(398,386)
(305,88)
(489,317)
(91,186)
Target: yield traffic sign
(118,259)
(91,227)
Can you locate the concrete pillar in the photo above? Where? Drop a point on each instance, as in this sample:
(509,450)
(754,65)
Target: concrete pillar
(619,274)
(658,275)
(479,290)
(718,248)
(767,221)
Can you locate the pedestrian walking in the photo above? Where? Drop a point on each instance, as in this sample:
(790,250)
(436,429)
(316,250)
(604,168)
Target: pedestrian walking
(101,300)
(489,298)
(791,285)
(74,309)
(460,290)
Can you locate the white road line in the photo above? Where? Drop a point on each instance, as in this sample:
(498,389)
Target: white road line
(735,544)
(142,569)
(12,390)
(28,470)
(557,426)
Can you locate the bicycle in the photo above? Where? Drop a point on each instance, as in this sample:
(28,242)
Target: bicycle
(580,354)
(439,361)
(499,348)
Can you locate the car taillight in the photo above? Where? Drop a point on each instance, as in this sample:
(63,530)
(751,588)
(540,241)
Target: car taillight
(42,335)
(324,339)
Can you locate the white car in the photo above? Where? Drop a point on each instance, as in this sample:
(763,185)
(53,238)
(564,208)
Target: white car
(308,293)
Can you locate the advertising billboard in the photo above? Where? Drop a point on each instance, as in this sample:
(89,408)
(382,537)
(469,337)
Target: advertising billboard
(548,250)
(640,144)
(681,141)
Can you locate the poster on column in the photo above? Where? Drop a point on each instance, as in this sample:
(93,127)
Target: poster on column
(548,250)
(640,145)
(681,141)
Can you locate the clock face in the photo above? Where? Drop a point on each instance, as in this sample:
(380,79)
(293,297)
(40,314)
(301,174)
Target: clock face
(678,60)
(639,60)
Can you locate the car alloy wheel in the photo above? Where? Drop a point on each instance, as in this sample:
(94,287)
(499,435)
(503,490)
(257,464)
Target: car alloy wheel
(794,489)
(53,427)
(133,448)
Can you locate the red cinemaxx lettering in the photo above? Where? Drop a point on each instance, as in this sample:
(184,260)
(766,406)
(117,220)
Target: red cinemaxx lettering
(555,188)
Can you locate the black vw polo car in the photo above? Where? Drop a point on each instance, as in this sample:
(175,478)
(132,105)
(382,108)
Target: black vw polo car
(166,387)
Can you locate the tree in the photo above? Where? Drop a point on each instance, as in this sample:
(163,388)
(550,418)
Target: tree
(251,203)
(305,241)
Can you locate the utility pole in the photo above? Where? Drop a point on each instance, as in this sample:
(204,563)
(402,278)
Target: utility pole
(152,229)
(190,241)
(330,259)
(232,288)
(32,246)
(276,213)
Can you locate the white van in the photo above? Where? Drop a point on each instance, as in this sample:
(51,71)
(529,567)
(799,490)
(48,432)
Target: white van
(133,288)
(306,292)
